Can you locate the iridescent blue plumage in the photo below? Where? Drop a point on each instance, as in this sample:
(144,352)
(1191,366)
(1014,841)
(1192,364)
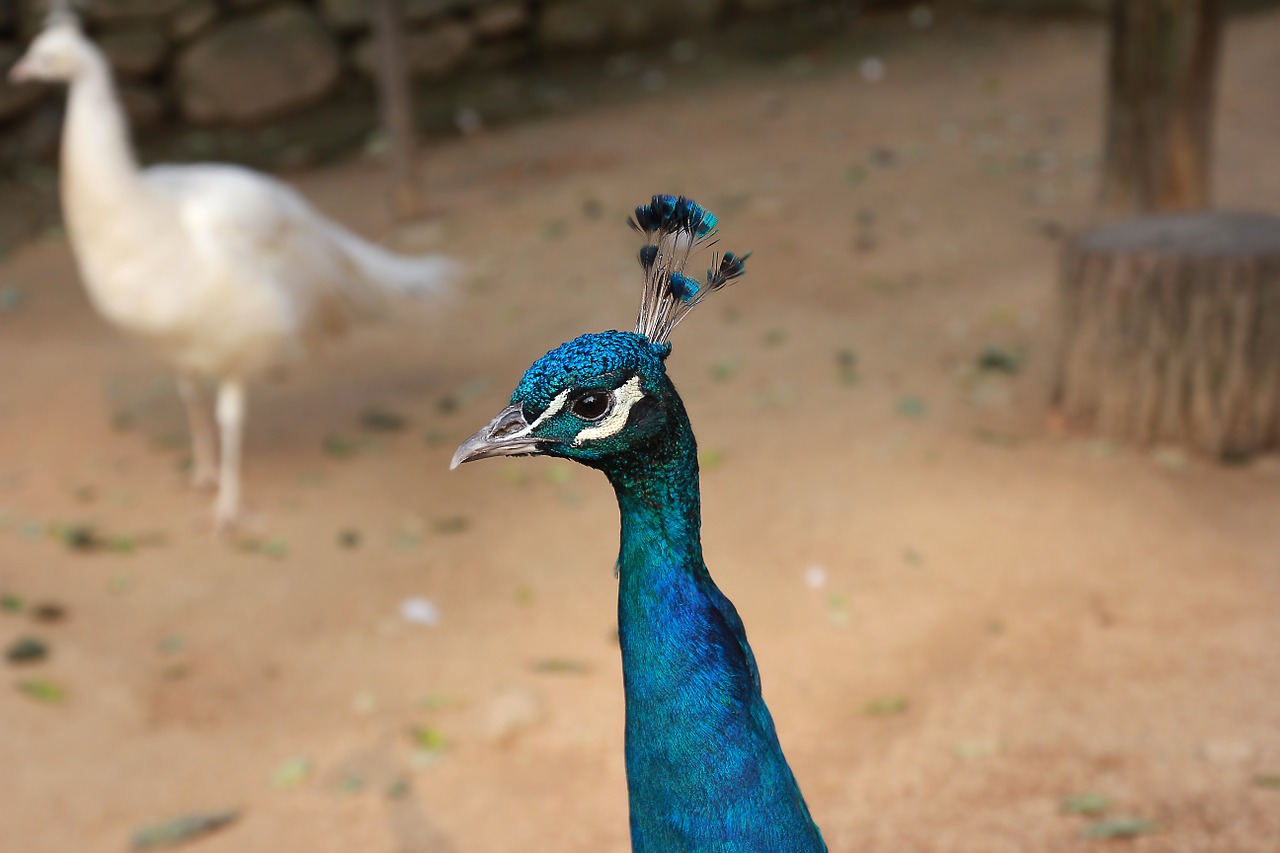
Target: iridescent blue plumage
(668,214)
(684,288)
(731,267)
(705,771)
(648,256)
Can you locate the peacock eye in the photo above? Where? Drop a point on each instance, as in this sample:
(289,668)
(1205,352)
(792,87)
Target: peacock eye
(591,405)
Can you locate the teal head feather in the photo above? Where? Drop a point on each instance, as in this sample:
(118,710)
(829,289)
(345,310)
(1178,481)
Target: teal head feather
(704,767)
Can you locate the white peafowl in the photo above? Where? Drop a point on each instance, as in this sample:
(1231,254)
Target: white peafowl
(224,271)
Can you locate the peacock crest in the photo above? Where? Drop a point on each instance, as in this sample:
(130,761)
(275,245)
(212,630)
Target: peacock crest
(675,228)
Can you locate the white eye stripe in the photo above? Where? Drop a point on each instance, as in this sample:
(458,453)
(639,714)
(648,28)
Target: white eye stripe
(623,399)
(551,411)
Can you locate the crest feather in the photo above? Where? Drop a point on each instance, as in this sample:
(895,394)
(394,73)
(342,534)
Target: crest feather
(674,227)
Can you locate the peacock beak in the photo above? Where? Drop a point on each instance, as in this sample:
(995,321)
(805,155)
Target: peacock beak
(21,71)
(505,435)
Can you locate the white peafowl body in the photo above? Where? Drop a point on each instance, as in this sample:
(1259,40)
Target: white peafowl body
(224,271)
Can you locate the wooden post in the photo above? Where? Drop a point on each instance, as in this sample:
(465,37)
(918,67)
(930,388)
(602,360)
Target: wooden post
(396,106)
(1162,70)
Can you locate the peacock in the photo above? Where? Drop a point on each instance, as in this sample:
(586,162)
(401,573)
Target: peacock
(224,271)
(704,768)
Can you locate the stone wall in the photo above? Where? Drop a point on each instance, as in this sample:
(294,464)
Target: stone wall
(242,66)
(246,63)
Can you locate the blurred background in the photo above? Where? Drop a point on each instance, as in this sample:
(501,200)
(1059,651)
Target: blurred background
(1006,546)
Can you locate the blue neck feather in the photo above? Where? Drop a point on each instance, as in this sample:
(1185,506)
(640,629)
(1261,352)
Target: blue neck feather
(704,767)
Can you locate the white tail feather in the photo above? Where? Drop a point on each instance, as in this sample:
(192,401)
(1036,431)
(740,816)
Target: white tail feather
(411,275)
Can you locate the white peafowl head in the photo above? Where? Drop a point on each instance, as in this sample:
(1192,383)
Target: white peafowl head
(60,53)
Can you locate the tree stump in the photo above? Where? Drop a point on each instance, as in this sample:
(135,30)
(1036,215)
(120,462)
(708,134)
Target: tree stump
(1172,332)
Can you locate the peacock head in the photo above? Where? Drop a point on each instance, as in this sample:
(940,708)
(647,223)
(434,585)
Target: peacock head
(604,398)
(59,54)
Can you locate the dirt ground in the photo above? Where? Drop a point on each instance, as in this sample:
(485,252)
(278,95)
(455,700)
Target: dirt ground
(963,618)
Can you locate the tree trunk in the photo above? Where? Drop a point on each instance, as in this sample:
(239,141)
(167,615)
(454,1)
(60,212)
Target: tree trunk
(1172,332)
(1163,65)
(396,105)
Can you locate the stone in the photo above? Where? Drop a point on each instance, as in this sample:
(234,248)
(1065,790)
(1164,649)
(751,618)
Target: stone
(33,138)
(115,11)
(144,106)
(134,53)
(574,24)
(639,21)
(1043,7)
(765,5)
(635,21)
(16,99)
(430,54)
(679,15)
(192,18)
(500,19)
(354,14)
(30,15)
(257,67)
(499,54)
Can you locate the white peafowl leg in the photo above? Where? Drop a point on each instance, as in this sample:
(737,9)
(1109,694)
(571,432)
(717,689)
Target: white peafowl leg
(204,451)
(231,410)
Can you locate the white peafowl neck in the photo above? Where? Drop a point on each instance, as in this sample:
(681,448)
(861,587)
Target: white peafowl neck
(99,171)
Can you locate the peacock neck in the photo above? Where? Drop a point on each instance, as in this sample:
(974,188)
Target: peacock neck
(660,512)
(704,767)
(99,170)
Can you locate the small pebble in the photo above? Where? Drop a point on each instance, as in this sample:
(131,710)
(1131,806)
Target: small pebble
(872,69)
(420,611)
(815,577)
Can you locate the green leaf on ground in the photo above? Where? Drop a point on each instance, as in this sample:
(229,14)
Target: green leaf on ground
(79,537)
(291,773)
(724,369)
(775,337)
(559,474)
(45,692)
(996,359)
(277,548)
(451,524)
(561,666)
(428,739)
(180,830)
(911,406)
(710,459)
(855,174)
(886,706)
(381,420)
(838,610)
(1090,803)
(1119,827)
(26,650)
(847,363)
(339,446)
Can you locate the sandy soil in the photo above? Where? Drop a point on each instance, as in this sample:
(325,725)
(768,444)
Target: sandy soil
(1006,618)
